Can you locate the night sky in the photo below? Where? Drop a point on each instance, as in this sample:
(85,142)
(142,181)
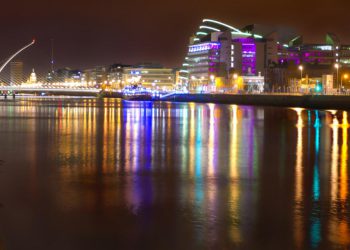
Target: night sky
(89,33)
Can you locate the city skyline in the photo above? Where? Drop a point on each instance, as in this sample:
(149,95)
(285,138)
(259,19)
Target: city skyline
(100,36)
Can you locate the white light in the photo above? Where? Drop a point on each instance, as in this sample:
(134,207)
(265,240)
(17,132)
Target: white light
(223,24)
(209,28)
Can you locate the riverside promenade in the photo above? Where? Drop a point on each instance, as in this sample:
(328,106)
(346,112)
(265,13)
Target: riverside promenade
(281,100)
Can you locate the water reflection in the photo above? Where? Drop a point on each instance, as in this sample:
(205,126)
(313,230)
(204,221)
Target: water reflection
(315,229)
(221,176)
(339,220)
(235,230)
(298,217)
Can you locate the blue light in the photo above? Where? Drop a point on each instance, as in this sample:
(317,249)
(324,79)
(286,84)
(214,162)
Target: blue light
(318,87)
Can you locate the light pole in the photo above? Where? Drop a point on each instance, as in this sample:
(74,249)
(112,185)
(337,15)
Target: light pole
(337,67)
(192,85)
(200,83)
(301,74)
(212,81)
(346,76)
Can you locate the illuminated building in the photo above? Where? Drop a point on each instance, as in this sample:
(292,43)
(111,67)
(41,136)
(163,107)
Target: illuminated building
(16,72)
(204,60)
(150,76)
(32,77)
(344,55)
(317,54)
(115,75)
(96,76)
(74,76)
(65,75)
(217,49)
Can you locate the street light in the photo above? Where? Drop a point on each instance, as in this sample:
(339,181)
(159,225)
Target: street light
(212,82)
(345,76)
(337,67)
(301,72)
(193,83)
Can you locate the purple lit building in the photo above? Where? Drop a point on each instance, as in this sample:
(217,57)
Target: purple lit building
(203,60)
(220,50)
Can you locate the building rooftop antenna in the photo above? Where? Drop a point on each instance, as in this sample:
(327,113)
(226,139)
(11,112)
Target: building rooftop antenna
(52,54)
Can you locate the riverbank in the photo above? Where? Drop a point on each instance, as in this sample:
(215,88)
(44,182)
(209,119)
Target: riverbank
(304,101)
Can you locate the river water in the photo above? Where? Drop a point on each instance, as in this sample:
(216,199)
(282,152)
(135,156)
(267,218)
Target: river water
(109,174)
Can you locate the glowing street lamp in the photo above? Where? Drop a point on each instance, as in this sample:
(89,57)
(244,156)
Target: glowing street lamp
(337,67)
(212,82)
(345,76)
(301,72)
(212,79)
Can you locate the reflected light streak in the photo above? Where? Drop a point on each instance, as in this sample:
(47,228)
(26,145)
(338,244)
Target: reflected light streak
(338,226)
(316,183)
(233,155)
(235,232)
(344,159)
(192,138)
(184,137)
(335,157)
(135,138)
(199,144)
(211,146)
(127,139)
(118,136)
(315,228)
(298,222)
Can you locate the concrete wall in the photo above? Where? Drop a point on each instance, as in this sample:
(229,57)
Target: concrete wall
(306,101)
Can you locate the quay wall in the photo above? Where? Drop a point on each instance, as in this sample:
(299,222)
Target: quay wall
(304,101)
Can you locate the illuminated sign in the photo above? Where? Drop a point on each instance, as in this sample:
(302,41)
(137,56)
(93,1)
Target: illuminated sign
(324,47)
(203,47)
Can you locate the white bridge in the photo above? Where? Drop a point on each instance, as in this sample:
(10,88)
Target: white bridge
(47,89)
